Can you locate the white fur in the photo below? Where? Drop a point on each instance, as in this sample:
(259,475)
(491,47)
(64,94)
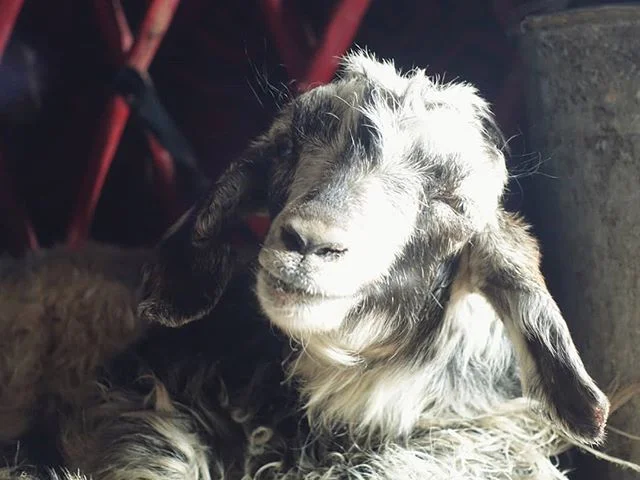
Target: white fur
(300,315)
(339,387)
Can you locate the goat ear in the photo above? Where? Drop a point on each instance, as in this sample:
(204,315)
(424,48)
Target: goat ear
(505,261)
(194,261)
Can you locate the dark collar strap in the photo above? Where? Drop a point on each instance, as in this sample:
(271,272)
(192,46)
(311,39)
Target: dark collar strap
(139,92)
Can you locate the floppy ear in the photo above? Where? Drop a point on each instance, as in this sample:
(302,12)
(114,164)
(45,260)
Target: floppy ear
(505,263)
(194,261)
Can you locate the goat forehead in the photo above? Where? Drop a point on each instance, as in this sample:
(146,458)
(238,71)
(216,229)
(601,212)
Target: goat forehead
(335,132)
(332,117)
(431,134)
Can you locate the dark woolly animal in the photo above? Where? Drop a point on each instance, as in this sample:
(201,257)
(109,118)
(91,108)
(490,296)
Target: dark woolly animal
(394,325)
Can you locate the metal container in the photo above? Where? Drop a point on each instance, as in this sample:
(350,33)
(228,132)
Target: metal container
(582,69)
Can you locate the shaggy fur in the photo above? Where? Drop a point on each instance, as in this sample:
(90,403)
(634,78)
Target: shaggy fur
(394,324)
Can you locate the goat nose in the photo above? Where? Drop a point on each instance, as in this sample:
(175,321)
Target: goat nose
(296,241)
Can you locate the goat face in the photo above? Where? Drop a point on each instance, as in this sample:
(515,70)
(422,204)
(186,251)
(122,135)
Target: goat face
(367,165)
(360,175)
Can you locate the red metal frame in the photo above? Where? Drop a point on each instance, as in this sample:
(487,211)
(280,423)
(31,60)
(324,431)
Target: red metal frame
(139,56)
(10,10)
(319,65)
(288,36)
(338,37)
(115,29)
(139,53)
(306,64)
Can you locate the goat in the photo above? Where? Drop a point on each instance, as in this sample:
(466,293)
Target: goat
(394,324)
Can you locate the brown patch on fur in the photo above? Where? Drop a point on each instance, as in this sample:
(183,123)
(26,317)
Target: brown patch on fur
(62,314)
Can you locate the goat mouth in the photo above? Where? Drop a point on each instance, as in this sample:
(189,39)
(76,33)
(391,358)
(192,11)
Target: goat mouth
(283,289)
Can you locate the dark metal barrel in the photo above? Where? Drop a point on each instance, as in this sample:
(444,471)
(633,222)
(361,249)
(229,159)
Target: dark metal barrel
(583,103)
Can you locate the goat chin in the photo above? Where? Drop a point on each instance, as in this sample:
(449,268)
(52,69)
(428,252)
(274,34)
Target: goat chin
(299,314)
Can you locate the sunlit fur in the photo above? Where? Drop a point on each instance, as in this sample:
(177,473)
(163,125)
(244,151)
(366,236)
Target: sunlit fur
(395,323)
(404,175)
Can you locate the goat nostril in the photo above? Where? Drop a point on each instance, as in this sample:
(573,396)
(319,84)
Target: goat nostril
(292,240)
(328,251)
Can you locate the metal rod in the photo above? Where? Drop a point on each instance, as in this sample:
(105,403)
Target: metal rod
(152,30)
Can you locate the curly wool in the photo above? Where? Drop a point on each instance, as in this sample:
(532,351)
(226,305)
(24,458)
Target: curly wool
(510,444)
